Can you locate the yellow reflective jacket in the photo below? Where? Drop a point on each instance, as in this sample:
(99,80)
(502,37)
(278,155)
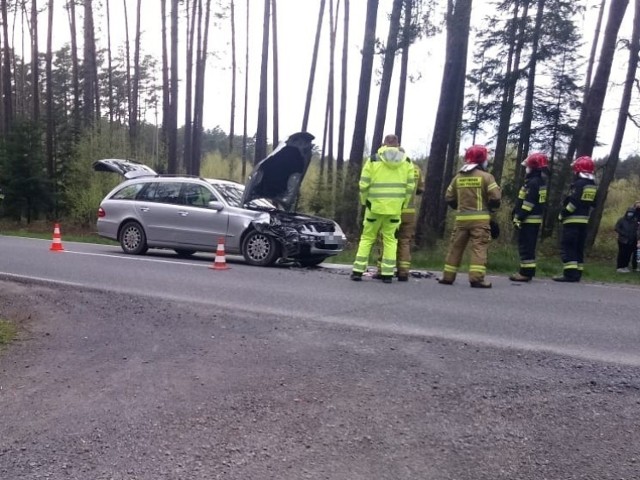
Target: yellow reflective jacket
(417,189)
(474,194)
(387,182)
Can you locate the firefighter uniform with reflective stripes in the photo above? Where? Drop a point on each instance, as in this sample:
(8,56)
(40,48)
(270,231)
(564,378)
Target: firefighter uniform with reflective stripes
(575,218)
(386,186)
(407,230)
(527,215)
(474,193)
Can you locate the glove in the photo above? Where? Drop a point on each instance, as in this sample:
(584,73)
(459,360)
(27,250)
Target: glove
(495,229)
(517,223)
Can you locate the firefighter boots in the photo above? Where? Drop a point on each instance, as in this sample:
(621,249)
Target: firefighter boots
(480,284)
(518,277)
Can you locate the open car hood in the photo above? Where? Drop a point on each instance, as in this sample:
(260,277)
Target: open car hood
(126,168)
(278,177)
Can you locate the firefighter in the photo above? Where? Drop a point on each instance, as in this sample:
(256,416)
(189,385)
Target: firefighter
(407,230)
(474,194)
(574,216)
(528,213)
(386,185)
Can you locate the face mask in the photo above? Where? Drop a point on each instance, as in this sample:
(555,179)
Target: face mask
(485,164)
(527,170)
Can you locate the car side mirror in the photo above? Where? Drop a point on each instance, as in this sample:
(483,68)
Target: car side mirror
(216,205)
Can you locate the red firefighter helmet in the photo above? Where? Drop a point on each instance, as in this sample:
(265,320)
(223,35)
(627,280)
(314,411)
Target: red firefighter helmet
(536,161)
(583,165)
(476,154)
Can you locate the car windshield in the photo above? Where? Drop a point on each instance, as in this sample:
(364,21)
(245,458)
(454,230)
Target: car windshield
(232,194)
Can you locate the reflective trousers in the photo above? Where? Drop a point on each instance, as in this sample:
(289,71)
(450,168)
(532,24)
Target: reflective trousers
(406,234)
(527,241)
(373,224)
(478,234)
(572,243)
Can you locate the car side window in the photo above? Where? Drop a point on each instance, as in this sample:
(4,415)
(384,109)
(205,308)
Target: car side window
(129,192)
(196,195)
(148,194)
(163,193)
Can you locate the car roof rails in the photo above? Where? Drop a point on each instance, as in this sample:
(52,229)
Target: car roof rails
(178,175)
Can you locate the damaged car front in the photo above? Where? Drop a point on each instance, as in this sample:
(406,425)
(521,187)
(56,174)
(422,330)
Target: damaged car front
(276,182)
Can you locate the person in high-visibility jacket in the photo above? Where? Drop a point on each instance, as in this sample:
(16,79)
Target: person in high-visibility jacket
(528,213)
(474,194)
(407,230)
(577,207)
(386,186)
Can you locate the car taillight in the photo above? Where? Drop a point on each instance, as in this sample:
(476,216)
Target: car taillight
(101,212)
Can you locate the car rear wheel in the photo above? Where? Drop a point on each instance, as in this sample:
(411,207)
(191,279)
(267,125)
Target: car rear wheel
(133,239)
(184,253)
(260,249)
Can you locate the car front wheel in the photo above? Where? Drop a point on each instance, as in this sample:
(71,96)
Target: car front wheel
(133,239)
(260,249)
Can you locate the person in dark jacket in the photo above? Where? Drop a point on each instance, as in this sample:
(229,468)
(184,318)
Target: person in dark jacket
(575,217)
(627,230)
(528,213)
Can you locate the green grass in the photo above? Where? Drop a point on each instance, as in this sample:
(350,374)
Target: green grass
(7,332)
(44,230)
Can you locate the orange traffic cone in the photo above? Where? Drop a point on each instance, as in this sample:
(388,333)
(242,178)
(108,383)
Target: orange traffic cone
(220,263)
(56,245)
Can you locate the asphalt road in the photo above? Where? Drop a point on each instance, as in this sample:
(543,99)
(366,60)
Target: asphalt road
(154,367)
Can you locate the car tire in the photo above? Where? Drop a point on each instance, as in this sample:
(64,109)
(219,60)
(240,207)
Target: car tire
(311,261)
(133,240)
(260,249)
(184,253)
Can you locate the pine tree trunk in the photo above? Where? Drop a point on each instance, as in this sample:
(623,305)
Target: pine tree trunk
(166,87)
(51,165)
(527,113)
(343,99)
(276,101)
(234,71)
(261,131)
(109,62)
(75,67)
(133,111)
(312,71)
(623,113)
(199,93)
(172,128)
(89,96)
(35,60)
(598,89)
(6,80)
(348,209)
(387,73)
(246,98)
(404,67)
(431,218)
(511,80)
(188,104)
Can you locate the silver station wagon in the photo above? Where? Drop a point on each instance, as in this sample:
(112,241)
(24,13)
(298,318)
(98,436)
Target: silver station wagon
(189,214)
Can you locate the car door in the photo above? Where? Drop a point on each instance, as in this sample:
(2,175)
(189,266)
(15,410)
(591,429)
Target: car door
(200,225)
(158,208)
